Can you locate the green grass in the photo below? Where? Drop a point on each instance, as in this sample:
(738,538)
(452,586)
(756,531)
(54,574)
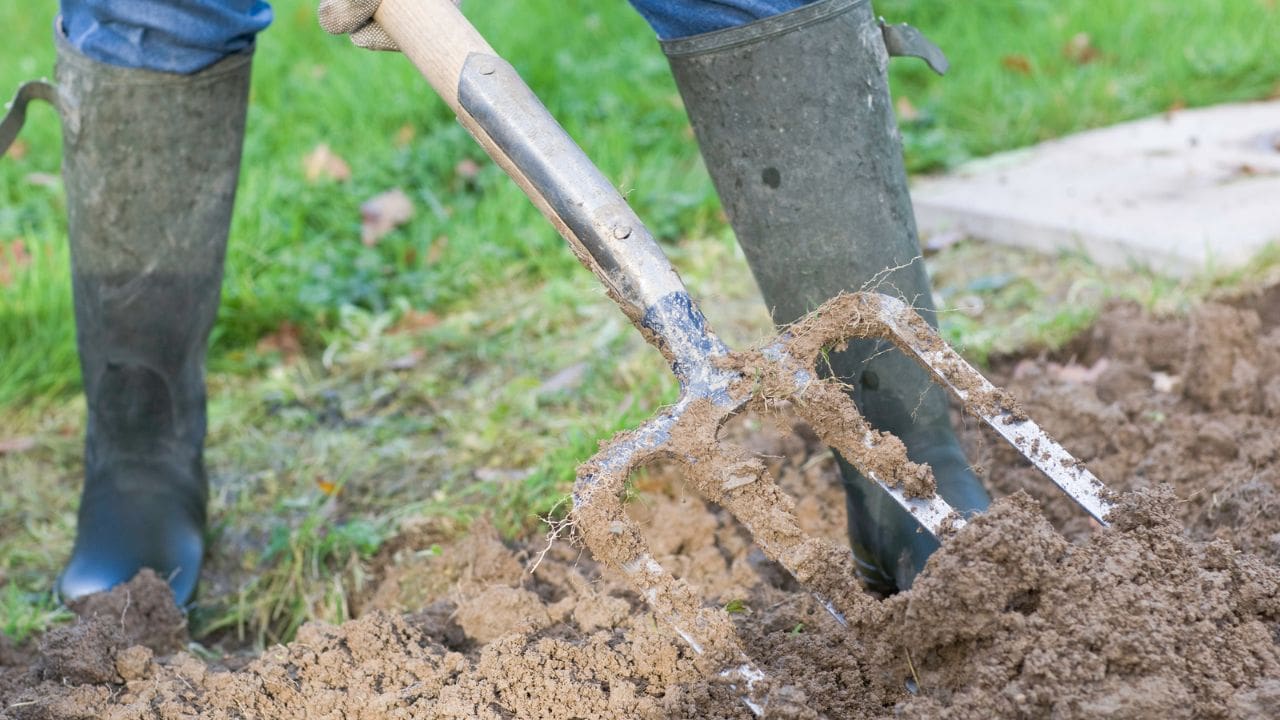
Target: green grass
(1150,57)
(317,461)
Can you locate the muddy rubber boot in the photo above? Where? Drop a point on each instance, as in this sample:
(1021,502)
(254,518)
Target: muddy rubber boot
(795,123)
(150,165)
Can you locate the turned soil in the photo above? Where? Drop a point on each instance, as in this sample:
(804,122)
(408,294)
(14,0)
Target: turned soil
(1029,611)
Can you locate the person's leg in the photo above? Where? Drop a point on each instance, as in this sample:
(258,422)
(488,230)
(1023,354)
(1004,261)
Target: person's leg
(173,36)
(681,18)
(794,120)
(150,161)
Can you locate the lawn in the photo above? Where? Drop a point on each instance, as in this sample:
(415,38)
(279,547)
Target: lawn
(464,363)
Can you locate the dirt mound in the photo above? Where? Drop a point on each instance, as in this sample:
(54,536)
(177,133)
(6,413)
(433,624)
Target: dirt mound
(1174,612)
(1192,402)
(1013,621)
(113,641)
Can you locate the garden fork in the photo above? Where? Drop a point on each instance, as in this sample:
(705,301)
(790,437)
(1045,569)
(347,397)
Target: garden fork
(518,132)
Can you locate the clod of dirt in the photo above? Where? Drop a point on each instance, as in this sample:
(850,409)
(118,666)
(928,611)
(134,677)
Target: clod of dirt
(501,610)
(81,653)
(143,609)
(134,663)
(140,612)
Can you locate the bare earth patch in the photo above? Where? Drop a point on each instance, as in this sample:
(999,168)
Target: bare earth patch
(1174,612)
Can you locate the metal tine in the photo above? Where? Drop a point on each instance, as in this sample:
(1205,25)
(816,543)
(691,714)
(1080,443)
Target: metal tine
(613,538)
(933,513)
(893,320)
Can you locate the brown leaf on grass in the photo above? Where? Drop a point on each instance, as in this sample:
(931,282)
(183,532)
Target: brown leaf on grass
(1016,63)
(414,321)
(323,163)
(383,213)
(15,445)
(17,150)
(286,340)
(436,251)
(906,111)
(14,258)
(467,169)
(1080,49)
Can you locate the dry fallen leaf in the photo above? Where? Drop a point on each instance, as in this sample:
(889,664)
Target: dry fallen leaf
(13,258)
(1080,49)
(286,340)
(15,445)
(414,321)
(323,163)
(906,111)
(467,169)
(1177,105)
(405,134)
(436,251)
(383,213)
(1016,63)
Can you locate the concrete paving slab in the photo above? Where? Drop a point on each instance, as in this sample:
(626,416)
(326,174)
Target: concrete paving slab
(1178,193)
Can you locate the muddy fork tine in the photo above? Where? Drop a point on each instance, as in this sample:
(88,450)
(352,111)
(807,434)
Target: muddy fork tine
(882,316)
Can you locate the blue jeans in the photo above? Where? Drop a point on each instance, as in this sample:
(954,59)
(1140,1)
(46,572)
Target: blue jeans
(184,36)
(178,36)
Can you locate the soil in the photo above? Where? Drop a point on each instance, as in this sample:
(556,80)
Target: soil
(1028,611)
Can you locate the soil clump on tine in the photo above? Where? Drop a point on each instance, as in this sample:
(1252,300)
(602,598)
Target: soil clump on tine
(1174,612)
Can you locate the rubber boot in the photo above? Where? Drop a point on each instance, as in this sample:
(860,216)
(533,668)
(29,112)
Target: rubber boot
(795,123)
(150,166)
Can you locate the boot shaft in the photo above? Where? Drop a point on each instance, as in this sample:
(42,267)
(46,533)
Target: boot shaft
(795,122)
(150,163)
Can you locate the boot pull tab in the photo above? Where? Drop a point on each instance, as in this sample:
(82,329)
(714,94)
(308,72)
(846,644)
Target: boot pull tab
(17,109)
(903,40)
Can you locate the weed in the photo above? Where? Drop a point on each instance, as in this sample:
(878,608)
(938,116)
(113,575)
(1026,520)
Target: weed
(26,613)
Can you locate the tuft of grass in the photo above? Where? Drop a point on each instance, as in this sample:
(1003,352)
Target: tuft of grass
(24,614)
